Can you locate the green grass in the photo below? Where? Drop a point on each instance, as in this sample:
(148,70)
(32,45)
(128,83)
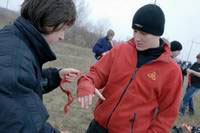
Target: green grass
(77,119)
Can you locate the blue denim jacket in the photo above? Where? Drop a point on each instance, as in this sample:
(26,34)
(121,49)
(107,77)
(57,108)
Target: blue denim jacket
(101,46)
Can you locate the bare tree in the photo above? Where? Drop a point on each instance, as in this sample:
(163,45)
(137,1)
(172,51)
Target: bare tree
(84,33)
(82,12)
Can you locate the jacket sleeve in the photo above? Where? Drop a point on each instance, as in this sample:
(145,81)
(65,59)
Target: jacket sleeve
(47,128)
(97,75)
(169,101)
(98,47)
(195,71)
(52,79)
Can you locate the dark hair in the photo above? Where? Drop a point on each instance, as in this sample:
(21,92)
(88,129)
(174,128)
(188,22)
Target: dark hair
(198,56)
(175,45)
(49,13)
(110,32)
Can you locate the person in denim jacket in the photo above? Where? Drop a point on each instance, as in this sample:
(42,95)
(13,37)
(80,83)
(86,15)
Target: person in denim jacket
(103,45)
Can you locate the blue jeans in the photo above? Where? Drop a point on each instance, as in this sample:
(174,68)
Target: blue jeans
(191,105)
(187,99)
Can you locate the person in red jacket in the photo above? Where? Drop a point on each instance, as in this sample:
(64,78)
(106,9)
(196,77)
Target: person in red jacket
(138,78)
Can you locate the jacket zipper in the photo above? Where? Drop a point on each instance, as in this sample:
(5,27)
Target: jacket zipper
(132,122)
(123,93)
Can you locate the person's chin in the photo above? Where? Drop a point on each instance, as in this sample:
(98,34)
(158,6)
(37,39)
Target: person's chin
(140,48)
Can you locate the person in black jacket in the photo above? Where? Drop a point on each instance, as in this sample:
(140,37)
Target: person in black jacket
(24,48)
(193,87)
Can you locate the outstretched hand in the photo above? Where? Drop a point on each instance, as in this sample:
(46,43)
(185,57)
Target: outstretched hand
(187,127)
(86,101)
(69,74)
(64,132)
(190,71)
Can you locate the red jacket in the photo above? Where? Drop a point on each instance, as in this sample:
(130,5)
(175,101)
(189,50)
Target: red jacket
(132,94)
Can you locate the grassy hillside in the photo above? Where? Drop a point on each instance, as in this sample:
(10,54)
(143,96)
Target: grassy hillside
(6,16)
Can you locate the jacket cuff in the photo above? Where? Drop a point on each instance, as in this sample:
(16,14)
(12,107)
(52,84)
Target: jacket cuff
(55,80)
(85,86)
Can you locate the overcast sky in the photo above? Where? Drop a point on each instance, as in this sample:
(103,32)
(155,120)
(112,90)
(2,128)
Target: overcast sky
(182,19)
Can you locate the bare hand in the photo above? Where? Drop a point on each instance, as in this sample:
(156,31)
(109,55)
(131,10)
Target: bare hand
(64,132)
(86,101)
(187,127)
(105,53)
(69,74)
(189,70)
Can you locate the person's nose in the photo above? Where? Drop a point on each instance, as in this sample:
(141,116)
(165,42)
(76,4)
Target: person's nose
(62,36)
(138,36)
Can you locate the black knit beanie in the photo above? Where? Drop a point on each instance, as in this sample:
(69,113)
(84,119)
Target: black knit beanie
(175,45)
(150,19)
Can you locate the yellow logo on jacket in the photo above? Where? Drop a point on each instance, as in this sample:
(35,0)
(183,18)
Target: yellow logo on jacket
(152,75)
